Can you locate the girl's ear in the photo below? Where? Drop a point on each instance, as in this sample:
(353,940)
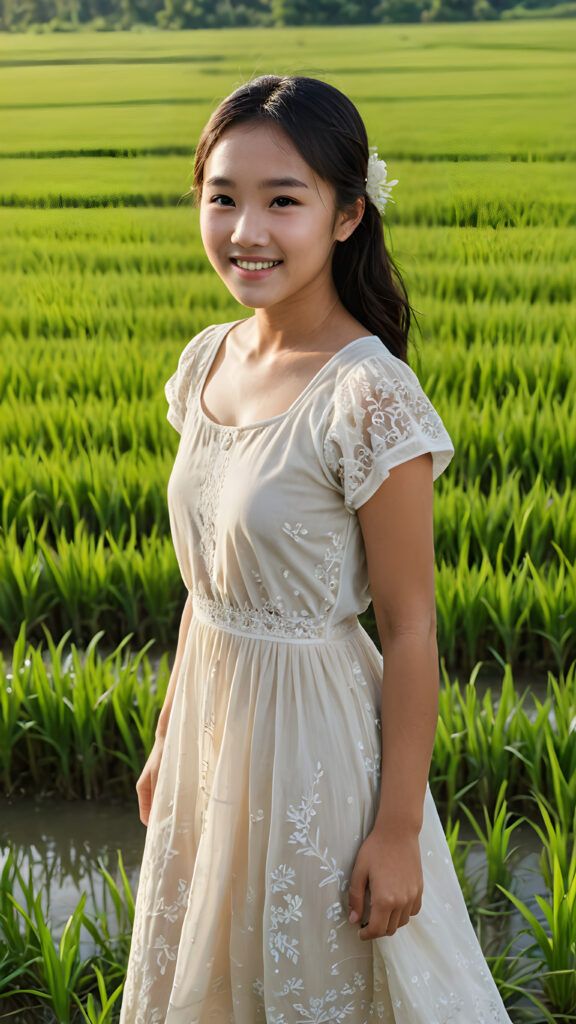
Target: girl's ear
(348,220)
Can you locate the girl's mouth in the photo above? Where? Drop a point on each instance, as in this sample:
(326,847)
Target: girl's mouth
(252,268)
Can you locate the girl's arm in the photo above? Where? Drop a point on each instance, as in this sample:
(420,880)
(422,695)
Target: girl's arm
(162,723)
(397,526)
(146,784)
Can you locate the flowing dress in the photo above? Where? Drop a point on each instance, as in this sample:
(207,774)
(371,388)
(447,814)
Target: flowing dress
(269,779)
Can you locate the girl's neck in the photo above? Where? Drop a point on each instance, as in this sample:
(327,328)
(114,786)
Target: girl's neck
(320,323)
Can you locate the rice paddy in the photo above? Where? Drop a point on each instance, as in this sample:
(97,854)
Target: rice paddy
(103,283)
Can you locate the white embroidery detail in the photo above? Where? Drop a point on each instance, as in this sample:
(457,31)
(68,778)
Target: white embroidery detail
(270,619)
(296,532)
(372,415)
(310,844)
(328,570)
(208,506)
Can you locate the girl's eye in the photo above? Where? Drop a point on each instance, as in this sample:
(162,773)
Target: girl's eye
(222,200)
(284,201)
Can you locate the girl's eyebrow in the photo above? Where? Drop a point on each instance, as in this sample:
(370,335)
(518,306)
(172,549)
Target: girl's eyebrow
(269,183)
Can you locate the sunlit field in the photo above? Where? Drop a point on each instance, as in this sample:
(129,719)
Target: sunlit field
(103,283)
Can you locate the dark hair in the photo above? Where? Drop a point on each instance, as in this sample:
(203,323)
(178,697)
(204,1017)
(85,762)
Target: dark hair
(328,132)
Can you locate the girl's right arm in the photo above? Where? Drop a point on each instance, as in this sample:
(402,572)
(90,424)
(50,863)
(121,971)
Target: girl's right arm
(147,782)
(162,724)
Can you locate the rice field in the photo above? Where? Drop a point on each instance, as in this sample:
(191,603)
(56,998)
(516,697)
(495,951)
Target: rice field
(103,283)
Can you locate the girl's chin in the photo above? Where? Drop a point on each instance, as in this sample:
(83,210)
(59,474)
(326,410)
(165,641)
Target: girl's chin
(254,298)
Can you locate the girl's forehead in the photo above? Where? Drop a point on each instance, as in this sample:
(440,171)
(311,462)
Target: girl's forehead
(251,145)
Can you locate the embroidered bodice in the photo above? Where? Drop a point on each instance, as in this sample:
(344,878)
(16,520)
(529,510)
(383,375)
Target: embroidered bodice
(264,516)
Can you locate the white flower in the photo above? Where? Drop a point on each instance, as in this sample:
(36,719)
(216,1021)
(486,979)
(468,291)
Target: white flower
(377,188)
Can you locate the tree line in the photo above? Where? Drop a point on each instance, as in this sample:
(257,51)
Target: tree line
(71,15)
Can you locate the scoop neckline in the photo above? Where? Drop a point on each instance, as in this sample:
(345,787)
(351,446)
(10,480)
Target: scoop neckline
(291,407)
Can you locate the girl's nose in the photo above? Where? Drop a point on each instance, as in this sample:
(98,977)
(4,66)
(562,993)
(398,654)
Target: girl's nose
(249,229)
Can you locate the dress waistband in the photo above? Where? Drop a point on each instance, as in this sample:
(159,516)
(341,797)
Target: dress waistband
(266,623)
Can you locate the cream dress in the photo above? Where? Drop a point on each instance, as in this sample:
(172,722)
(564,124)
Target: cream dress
(269,778)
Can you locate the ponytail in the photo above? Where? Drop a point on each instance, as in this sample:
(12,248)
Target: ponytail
(369,283)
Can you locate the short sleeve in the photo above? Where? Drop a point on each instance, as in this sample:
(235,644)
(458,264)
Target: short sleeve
(380,417)
(177,388)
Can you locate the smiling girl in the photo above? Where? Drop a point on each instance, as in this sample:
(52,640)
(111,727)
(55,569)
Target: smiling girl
(295,868)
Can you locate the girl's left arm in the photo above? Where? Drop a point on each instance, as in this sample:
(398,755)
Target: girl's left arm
(397,527)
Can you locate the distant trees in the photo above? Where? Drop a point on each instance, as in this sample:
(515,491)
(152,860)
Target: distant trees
(67,15)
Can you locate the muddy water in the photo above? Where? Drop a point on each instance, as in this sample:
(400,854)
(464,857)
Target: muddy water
(62,842)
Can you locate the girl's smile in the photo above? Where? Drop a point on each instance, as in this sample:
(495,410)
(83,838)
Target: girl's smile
(268,223)
(254,269)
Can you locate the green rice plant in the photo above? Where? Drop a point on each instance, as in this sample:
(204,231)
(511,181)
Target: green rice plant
(103,491)
(449,776)
(563,786)
(508,606)
(59,975)
(12,726)
(87,585)
(19,943)
(558,845)
(557,944)
(462,618)
(23,591)
(495,835)
(111,928)
(99,1013)
(90,717)
(53,720)
(483,516)
(483,743)
(557,606)
(59,970)
(549,748)
(493,740)
(70,739)
(517,978)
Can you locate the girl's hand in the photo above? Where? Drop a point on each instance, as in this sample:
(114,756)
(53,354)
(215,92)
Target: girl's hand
(147,782)
(390,864)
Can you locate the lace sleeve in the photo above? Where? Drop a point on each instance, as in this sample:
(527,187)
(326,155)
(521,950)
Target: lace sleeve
(177,388)
(379,418)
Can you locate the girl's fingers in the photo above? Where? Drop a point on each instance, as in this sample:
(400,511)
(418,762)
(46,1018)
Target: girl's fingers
(356,894)
(385,922)
(394,921)
(404,918)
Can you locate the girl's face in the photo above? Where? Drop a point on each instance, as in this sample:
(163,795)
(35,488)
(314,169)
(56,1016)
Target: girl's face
(268,223)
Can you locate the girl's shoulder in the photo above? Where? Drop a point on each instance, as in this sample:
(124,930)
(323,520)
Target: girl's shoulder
(191,364)
(199,346)
(369,364)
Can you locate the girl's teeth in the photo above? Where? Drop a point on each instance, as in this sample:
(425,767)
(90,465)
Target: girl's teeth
(246,265)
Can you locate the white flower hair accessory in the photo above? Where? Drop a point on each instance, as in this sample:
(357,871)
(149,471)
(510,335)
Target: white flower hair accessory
(377,187)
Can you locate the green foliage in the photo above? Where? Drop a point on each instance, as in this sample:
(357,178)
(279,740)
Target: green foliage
(68,987)
(522,12)
(556,939)
(107,15)
(80,724)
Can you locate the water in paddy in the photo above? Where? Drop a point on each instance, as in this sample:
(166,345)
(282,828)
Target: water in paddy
(61,843)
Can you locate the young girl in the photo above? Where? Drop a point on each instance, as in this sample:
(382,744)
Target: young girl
(295,868)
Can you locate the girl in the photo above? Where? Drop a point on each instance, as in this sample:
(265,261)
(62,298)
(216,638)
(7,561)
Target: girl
(295,869)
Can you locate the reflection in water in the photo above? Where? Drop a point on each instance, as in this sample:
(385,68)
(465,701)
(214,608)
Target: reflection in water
(58,844)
